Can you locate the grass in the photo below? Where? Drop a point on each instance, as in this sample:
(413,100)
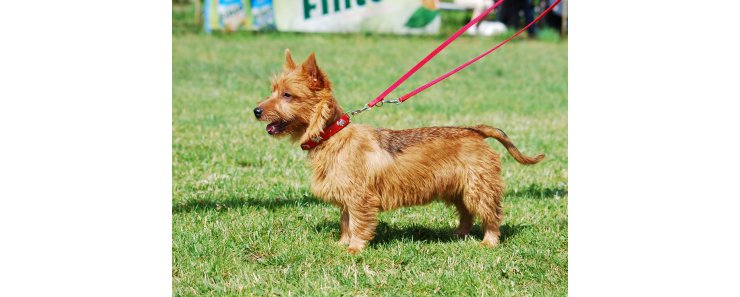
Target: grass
(245,223)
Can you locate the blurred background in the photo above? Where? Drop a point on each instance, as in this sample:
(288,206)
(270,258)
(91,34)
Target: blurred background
(399,16)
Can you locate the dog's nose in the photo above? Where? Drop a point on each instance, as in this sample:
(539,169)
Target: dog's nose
(258,112)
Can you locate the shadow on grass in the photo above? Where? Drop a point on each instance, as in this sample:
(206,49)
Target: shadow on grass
(225,203)
(222,203)
(386,233)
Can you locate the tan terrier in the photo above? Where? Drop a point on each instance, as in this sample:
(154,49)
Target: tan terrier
(365,170)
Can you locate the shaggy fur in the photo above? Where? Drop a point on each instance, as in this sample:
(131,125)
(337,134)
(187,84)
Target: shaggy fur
(364,170)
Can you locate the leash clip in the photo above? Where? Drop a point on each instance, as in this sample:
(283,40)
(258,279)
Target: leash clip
(396,101)
(364,108)
(379,104)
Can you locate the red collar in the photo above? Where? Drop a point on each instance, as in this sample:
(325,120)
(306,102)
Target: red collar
(342,122)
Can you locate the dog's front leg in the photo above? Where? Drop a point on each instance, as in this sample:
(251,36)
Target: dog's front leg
(363,219)
(345,236)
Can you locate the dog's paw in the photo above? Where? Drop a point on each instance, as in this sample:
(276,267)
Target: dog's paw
(489,243)
(343,241)
(356,247)
(354,250)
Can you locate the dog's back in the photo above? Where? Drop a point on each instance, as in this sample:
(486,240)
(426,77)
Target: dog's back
(438,162)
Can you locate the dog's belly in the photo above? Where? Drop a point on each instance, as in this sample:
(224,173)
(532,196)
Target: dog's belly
(419,190)
(388,192)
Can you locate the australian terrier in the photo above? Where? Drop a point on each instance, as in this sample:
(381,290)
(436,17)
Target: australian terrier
(365,170)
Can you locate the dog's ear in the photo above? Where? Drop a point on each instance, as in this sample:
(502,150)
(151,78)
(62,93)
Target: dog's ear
(322,113)
(289,64)
(317,79)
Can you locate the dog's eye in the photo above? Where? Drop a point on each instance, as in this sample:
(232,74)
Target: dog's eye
(287,95)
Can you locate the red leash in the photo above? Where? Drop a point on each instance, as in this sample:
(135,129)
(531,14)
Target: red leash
(439,49)
(432,54)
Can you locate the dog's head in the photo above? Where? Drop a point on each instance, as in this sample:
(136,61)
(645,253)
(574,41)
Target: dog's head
(301,103)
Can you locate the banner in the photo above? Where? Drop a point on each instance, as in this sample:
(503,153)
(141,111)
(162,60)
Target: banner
(386,16)
(264,15)
(227,15)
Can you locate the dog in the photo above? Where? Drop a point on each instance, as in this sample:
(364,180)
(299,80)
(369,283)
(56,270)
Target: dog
(365,170)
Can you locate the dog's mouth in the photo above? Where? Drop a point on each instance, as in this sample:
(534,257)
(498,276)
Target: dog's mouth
(276,127)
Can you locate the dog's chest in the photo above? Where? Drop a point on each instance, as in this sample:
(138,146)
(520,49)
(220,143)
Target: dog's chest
(333,178)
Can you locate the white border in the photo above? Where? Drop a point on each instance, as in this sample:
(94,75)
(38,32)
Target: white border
(653,125)
(85,160)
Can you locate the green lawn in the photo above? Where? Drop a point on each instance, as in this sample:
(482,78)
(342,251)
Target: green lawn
(245,223)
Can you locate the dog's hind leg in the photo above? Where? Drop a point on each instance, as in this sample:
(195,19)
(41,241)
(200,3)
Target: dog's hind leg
(466,219)
(491,229)
(483,199)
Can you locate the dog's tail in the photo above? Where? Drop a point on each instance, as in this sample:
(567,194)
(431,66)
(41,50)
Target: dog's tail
(497,133)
